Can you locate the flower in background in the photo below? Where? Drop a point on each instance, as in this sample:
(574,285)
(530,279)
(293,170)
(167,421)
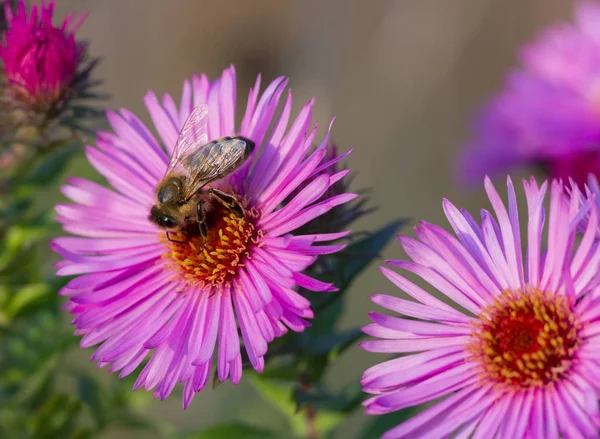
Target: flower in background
(548,114)
(519,355)
(184,303)
(42,65)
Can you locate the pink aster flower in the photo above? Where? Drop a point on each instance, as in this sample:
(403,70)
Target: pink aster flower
(518,356)
(39,61)
(183,304)
(548,113)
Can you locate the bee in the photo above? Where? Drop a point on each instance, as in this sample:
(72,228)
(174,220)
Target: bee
(182,202)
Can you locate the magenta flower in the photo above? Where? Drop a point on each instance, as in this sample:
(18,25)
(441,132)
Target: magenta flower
(519,356)
(181,304)
(40,61)
(548,114)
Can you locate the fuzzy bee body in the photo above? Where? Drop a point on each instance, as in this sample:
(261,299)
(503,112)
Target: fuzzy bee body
(182,201)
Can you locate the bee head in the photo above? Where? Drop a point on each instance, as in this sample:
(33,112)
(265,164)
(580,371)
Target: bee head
(162,219)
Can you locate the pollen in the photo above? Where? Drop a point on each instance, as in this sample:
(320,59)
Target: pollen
(525,339)
(213,262)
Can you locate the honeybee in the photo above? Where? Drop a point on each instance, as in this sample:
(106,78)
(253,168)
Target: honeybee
(182,202)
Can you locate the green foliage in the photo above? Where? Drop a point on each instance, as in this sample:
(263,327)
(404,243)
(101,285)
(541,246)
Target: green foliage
(293,379)
(35,340)
(237,431)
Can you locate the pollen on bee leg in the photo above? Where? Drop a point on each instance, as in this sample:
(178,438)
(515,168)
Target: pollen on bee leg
(216,262)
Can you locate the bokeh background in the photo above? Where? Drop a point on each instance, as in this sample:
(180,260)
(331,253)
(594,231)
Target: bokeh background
(404,79)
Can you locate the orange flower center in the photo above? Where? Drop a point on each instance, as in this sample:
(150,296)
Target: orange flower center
(213,262)
(525,339)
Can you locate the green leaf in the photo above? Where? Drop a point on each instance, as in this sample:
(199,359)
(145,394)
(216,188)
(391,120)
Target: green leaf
(26,299)
(90,393)
(18,240)
(56,418)
(282,368)
(358,255)
(345,267)
(334,344)
(279,395)
(344,402)
(327,421)
(83,433)
(48,167)
(238,431)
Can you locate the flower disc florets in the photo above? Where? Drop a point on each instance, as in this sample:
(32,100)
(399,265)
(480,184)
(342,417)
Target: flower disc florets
(214,262)
(525,339)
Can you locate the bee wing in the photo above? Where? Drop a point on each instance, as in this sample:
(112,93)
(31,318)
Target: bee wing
(214,161)
(192,136)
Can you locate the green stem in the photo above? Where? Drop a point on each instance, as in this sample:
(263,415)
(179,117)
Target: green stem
(310,412)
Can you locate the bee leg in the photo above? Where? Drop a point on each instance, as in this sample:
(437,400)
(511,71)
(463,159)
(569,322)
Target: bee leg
(228,201)
(201,224)
(174,240)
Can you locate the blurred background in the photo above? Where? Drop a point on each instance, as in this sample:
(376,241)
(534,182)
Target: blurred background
(403,78)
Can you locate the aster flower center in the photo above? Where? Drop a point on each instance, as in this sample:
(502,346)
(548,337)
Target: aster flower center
(526,338)
(215,262)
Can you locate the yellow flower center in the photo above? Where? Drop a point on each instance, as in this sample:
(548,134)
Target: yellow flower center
(213,262)
(525,339)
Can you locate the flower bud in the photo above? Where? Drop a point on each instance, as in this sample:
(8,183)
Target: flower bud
(42,66)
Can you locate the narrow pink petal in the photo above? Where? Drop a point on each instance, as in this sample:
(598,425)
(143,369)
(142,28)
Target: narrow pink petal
(254,343)
(416,344)
(214,118)
(395,366)
(461,262)
(200,86)
(413,290)
(311,213)
(295,180)
(417,327)
(558,239)
(228,100)
(584,249)
(210,330)
(509,239)
(250,107)
(409,375)
(120,177)
(164,125)
(439,282)
(440,410)
(263,290)
(463,414)
(229,344)
(435,387)
(493,418)
(185,107)
(535,227)
(311,193)
(283,151)
(312,284)
(419,311)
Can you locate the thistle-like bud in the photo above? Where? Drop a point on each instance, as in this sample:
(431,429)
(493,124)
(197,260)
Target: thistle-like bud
(43,67)
(340,217)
